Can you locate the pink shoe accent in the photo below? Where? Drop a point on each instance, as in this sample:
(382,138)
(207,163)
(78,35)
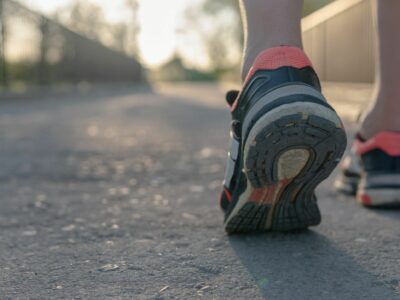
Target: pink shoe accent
(275,58)
(387,141)
(228,195)
(365,199)
(268,194)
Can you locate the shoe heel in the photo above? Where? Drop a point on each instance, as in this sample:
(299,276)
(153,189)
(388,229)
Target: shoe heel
(294,154)
(288,152)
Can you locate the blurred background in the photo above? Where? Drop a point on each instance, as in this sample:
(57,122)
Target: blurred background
(58,42)
(113,138)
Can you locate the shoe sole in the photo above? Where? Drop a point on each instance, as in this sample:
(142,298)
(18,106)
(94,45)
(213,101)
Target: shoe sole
(379,197)
(288,152)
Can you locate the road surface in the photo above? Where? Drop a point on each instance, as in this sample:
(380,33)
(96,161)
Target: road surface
(112,194)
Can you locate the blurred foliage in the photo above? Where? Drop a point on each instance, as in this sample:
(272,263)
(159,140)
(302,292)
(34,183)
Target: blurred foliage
(23,70)
(87,18)
(175,70)
(216,26)
(223,44)
(36,50)
(312,5)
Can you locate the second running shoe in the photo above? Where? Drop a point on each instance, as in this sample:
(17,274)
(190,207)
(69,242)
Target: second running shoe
(285,140)
(371,171)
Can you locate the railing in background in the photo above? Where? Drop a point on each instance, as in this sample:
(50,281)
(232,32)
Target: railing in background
(37,50)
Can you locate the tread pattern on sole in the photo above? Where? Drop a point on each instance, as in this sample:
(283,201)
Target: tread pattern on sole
(296,207)
(250,218)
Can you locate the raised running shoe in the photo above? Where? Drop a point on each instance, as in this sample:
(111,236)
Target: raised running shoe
(285,140)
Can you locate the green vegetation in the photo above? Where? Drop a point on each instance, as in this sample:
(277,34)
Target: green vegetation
(175,70)
(51,47)
(223,44)
(312,5)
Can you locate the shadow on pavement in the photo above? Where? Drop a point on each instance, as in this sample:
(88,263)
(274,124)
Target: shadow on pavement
(305,266)
(390,212)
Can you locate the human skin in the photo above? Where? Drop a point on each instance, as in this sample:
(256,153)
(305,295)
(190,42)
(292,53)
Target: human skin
(272,23)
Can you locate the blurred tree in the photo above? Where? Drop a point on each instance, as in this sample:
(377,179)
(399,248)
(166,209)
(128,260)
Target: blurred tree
(312,5)
(3,67)
(218,48)
(175,70)
(133,27)
(217,25)
(120,36)
(216,7)
(88,19)
(224,40)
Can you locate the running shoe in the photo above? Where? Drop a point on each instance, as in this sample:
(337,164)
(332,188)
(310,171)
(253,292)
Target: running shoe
(284,140)
(372,171)
(349,178)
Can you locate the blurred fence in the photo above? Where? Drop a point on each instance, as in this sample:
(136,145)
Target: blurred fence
(37,50)
(339,39)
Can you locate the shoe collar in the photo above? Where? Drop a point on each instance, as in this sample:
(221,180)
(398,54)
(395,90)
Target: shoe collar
(272,59)
(386,141)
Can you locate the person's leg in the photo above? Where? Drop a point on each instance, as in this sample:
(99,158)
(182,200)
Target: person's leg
(384,111)
(371,171)
(267,24)
(285,139)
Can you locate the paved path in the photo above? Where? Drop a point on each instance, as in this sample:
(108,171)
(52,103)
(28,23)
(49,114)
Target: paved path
(113,195)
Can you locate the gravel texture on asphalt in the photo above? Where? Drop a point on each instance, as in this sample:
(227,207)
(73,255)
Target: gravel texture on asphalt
(113,195)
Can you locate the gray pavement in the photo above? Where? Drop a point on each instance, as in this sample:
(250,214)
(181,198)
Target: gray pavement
(113,195)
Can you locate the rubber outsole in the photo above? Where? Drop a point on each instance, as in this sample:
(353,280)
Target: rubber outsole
(379,197)
(374,197)
(285,160)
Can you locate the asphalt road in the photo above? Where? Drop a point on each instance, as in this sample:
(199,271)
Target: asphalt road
(112,194)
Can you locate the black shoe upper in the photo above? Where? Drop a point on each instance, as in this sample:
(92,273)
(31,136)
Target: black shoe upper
(260,84)
(379,162)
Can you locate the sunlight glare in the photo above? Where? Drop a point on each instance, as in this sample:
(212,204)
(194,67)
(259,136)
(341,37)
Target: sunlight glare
(159,21)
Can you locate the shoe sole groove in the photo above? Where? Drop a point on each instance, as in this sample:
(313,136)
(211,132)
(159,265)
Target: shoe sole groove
(293,205)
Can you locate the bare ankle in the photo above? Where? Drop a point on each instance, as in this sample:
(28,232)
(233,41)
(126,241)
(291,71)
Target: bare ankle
(377,120)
